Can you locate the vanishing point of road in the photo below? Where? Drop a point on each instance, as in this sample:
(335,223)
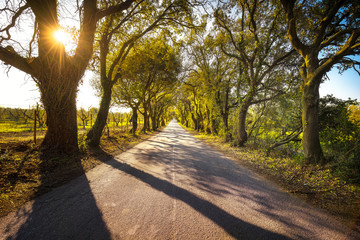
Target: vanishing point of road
(170,186)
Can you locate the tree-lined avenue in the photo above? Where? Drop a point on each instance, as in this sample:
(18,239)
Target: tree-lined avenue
(171,186)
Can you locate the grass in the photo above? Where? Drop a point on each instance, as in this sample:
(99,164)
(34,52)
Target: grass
(26,174)
(11,127)
(317,185)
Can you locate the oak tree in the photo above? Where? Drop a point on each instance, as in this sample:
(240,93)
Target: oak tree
(56,72)
(324,33)
(255,39)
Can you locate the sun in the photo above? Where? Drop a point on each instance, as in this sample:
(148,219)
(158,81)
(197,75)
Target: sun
(62,36)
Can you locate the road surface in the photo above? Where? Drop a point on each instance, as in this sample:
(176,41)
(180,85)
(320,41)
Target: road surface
(171,186)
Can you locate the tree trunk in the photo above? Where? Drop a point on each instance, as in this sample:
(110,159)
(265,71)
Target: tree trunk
(214,126)
(310,121)
(154,123)
(134,119)
(94,135)
(58,75)
(146,119)
(225,116)
(60,107)
(225,119)
(196,127)
(242,137)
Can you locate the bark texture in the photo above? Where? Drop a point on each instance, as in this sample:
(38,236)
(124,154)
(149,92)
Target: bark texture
(242,134)
(310,121)
(94,135)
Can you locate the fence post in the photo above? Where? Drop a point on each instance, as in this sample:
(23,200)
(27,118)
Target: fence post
(35,126)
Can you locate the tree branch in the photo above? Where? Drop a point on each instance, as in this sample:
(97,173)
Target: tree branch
(287,140)
(10,57)
(348,48)
(13,21)
(320,31)
(113,9)
(292,32)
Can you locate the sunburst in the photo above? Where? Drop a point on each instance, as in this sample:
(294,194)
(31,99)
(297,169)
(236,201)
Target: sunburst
(62,36)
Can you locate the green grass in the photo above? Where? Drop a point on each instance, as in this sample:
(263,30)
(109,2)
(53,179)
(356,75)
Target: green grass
(7,127)
(15,127)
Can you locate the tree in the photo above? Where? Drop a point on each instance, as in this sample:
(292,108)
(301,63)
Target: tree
(324,33)
(40,115)
(149,74)
(194,98)
(218,75)
(255,39)
(117,118)
(84,116)
(182,108)
(56,72)
(114,46)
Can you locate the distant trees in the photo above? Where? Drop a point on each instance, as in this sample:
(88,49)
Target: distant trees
(118,35)
(23,118)
(149,76)
(244,62)
(84,116)
(217,75)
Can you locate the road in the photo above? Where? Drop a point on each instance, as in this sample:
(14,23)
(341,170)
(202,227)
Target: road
(171,186)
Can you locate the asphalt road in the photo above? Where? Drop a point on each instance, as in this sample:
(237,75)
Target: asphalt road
(171,186)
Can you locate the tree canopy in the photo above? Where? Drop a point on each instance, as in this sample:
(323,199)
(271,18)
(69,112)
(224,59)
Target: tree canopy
(248,70)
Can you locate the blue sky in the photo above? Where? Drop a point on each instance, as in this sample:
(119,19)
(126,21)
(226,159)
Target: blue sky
(342,86)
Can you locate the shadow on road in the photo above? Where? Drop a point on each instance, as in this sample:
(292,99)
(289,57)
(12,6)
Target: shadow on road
(64,213)
(234,226)
(206,172)
(71,212)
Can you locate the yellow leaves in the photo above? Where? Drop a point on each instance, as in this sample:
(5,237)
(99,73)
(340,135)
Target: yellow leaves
(354,114)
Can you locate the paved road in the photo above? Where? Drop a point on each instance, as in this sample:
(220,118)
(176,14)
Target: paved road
(170,187)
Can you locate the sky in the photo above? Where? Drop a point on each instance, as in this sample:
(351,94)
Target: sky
(17,90)
(343,86)
(20,91)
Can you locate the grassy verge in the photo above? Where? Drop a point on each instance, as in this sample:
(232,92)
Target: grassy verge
(317,185)
(26,174)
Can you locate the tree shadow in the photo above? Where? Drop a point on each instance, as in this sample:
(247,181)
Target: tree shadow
(71,212)
(204,171)
(231,224)
(64,212)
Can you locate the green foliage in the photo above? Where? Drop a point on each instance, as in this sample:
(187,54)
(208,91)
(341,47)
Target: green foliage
(339,135)
(149,75)
(83,146)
